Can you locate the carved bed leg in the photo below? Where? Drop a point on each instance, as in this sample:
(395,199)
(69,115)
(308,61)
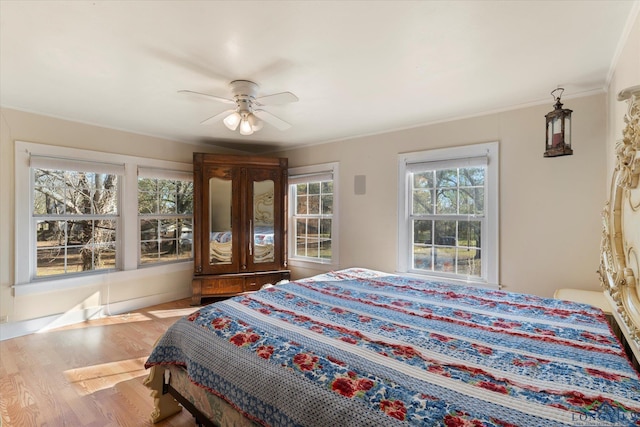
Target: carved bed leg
(164,404)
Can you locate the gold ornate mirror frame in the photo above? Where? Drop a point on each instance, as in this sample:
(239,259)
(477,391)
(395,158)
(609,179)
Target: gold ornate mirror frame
(620,247)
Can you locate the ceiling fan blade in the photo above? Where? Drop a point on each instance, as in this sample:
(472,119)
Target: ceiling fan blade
(218,116)
(214,97)
(272,120)
(277,99)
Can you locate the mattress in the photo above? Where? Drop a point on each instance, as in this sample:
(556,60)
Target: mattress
(361,347)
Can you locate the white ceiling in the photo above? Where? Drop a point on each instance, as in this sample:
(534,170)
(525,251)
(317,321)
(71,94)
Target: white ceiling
(358,67)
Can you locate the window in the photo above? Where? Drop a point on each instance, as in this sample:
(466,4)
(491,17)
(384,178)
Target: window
(75,215)
(448,213)
(165,212)
(78,218)
(313,214)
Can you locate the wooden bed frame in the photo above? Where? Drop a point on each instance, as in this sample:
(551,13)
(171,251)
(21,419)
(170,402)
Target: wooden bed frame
(620,248)
(619,265)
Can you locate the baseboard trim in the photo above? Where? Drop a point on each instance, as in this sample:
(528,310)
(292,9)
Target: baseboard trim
(43,324)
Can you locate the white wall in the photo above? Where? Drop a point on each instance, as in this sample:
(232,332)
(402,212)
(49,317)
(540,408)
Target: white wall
(550,207)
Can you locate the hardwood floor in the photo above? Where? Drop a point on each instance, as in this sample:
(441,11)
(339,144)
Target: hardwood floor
(88,374)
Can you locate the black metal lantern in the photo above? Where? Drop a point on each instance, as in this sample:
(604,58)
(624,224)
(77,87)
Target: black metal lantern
(558,141)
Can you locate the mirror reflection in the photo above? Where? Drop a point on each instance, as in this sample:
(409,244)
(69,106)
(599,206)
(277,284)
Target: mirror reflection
(263,221)
(220,242)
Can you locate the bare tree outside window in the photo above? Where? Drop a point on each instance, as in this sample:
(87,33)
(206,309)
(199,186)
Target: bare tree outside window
(76,218)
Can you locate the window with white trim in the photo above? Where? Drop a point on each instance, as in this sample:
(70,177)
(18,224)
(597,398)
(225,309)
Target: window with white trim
(78,216)
(165,213)
(75,215)
(448,213)
(313,208)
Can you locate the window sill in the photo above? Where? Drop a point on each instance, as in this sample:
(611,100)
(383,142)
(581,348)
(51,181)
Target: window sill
(98,279)
(308,263)
(452,280)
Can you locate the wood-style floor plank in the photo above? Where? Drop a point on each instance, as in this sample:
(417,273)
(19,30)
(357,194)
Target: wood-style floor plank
(88,374)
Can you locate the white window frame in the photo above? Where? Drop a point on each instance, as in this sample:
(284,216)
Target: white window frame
(490,228)
(128,233)
(308,174)
(166,174)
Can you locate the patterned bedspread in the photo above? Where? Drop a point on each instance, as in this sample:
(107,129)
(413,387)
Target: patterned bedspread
(359,347)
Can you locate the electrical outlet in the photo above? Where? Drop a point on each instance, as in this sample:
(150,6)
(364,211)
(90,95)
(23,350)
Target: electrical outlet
(4,319)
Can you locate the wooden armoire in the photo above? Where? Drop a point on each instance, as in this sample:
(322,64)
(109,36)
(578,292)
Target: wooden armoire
(239,224)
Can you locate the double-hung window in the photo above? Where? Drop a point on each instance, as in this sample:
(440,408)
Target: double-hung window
(448,219)
(165,213)
(75,215)
(313,208)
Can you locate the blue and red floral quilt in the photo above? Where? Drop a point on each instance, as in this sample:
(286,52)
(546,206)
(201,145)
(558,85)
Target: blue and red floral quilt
(364,348)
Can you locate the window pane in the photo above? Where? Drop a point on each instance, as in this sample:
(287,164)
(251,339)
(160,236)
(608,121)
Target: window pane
(107,259)
(314,205)
(184,197)
(313,237)
(471,201)
(168,239)
(469,262)
(78,202)
(422,257)
(445,233)
(422,202)
(446,201)
(42,202)
(301,189)
(50,233)
(105,231)
(444,259)
(327,187)
(314,188)
(168,250)
(48,178)
(149,252)
(301,237)
(147,202)
(167,196)
(185,243)
(325,239)
(50,262)
(422,232)
(106,202)
(313,228)
(470,177)
(301,205)
(148,229)
(469,233)
(77,259)
(327,204)
(447,178)
(423,179)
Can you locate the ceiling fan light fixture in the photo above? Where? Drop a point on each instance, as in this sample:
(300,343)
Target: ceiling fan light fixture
(232,120)
(245,127)
(256,123)
(247,115)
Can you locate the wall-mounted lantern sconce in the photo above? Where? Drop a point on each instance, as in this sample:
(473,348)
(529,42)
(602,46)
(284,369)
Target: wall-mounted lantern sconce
(558,141)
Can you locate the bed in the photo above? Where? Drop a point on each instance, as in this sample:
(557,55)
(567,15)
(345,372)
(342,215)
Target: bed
(366,348)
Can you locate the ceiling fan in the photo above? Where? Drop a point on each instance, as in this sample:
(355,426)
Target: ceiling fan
(247,113)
